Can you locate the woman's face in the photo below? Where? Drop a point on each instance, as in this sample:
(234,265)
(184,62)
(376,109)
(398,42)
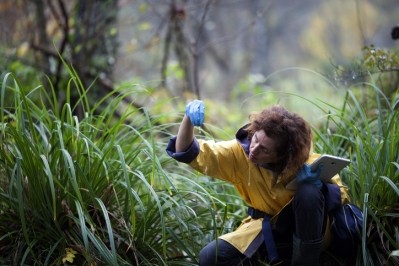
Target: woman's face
(262,149)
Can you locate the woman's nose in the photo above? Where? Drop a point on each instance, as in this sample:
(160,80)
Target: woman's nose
(255,148)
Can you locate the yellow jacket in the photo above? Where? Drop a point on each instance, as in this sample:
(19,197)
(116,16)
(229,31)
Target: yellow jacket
(228,160)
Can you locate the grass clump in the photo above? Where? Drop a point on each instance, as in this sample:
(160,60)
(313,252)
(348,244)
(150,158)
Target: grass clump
(94,189)
(366,130)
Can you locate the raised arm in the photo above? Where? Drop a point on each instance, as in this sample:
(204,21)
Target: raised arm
(194,117)
(185,135)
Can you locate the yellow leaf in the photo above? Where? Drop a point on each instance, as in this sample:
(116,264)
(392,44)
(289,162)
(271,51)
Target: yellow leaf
(70,255)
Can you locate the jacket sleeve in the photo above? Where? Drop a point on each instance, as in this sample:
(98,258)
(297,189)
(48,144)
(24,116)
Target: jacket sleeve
(186,156)
(215,159)
(224,160)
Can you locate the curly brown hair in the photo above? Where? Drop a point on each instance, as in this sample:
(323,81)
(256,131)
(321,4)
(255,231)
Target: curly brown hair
(291,132)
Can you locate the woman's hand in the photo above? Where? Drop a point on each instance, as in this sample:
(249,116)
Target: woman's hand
(307,176)
(194,117)
(195,111)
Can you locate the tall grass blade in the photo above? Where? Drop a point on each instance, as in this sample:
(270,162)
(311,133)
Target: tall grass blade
(109,230)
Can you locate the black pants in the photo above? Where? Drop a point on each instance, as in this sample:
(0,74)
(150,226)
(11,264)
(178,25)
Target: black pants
(305,217)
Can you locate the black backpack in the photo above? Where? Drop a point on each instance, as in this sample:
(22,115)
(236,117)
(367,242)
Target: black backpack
(346,227)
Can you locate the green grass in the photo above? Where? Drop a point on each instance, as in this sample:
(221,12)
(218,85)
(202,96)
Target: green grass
(97,186)
(96,183)
(366,130)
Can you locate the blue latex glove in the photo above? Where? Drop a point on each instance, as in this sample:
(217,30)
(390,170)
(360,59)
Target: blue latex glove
(307,176)
(195,111)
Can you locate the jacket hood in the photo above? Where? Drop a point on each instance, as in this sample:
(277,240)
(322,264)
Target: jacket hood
(242,138)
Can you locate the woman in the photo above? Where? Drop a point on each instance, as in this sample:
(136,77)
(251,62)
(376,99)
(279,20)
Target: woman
(283,226)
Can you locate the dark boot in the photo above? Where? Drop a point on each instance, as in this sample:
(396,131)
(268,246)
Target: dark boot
(305,253)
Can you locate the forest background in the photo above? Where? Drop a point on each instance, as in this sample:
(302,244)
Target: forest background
(127,68)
